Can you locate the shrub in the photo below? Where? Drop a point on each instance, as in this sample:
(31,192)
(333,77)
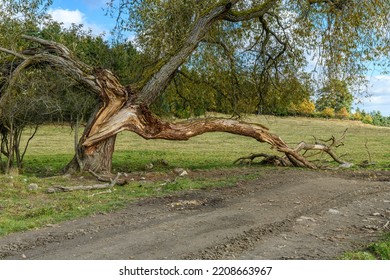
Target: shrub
(306,108)
(328,113)
(357,116)
(343,113)
(367,119)
(292,109)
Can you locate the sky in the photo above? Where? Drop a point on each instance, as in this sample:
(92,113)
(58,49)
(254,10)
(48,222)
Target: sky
(91,14)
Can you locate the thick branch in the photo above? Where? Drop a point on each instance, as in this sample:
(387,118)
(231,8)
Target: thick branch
(141,121)
(100,81)
(56,55)
(258,11)
(13,53)
(160,80)
(164,75)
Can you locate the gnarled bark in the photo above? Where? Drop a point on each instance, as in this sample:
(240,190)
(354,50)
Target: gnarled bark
(123,110)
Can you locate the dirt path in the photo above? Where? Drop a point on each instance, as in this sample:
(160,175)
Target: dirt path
(287,214)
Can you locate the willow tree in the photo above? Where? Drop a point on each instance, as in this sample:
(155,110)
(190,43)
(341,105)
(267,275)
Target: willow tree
(344,32)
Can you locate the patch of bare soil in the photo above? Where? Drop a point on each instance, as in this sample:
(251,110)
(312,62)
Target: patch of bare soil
(285,214)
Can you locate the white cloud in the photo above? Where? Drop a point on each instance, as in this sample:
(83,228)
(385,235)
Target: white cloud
(69,17)
(379,89)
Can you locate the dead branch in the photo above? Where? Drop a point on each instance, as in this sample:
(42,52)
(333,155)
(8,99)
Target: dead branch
(56,189)
(319,147)
(112,183)
(292,159)
(368,151)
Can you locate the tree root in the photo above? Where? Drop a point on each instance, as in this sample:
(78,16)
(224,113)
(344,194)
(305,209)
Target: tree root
(119,179)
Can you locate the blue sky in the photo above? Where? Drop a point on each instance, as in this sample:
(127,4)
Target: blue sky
(90,13)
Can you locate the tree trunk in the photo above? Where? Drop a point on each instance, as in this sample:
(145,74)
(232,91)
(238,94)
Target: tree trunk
(99,157)
(122,109)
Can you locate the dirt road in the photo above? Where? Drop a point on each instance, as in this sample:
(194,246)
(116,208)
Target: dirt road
(285,214)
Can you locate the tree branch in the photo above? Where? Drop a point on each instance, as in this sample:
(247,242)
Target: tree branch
(141,121)
(258,11)
(221,11)
(13,53)
(160,80)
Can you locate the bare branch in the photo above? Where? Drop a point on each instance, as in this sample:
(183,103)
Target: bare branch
(13,53)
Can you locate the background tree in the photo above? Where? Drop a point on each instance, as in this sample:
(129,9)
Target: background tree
(41,94)
(336,95)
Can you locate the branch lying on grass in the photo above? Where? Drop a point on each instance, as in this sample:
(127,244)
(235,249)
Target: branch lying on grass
(321,146)
(56,189)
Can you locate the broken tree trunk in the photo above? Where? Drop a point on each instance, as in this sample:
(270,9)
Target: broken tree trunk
(122,110)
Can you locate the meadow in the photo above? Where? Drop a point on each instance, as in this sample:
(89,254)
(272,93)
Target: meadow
(53,146)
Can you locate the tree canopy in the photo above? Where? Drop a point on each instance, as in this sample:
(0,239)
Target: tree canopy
(266,38)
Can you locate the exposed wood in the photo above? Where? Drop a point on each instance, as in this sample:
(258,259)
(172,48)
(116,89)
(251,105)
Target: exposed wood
(56,189)
(141,121)
(319,147)
(290,159)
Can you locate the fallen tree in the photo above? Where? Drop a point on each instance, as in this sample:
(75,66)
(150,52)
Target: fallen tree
(126,108)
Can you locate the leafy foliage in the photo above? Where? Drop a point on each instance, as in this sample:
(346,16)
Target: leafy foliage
(335,95)
(306,108)
(328,112)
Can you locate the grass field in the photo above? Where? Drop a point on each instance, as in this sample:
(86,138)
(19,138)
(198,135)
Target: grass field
(53,146)
(52,149)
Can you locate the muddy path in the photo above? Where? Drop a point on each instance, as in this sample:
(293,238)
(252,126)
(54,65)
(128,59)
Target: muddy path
(285,214)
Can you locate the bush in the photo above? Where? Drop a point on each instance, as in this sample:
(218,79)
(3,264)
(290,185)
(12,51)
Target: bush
(306,108)
(367,119)
(343,113)
(357,116)
(328,113)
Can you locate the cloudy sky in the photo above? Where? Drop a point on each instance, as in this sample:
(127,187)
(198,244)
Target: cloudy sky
(90,13)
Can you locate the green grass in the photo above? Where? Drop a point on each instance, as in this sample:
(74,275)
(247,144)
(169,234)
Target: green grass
(52,149)
(375,251)
(22,209)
